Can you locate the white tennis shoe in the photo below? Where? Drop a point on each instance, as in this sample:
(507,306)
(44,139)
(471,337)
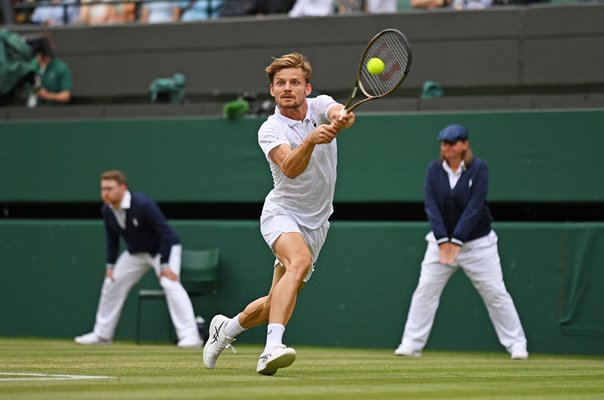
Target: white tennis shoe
(277,357)
(217,342)
(406,351)
(519,355)
(91,339)
(191,342)
(518,351)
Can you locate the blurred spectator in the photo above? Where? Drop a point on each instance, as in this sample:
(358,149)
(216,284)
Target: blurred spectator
(120,13)
(471,4)
(162,11)
(95,12)
(232,8)
(21,10)
(430,3)
(528,2)
(275,6)
(199,10)
(381,6)
(53,85)
(455,4)
(369,6)
(346,7)
(312,8)
(55,14)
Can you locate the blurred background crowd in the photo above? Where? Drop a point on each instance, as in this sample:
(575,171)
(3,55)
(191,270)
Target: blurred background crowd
(99,12)
(32,75)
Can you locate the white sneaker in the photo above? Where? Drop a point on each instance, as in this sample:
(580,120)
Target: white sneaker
(217,341)
(91,339)
(191,342)
(407,352)
(277,357)
(519,354)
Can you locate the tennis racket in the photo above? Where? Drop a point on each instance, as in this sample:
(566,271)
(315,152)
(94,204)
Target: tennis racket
(392,47)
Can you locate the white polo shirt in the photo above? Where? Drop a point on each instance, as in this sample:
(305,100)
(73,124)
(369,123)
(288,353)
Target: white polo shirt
(309,196)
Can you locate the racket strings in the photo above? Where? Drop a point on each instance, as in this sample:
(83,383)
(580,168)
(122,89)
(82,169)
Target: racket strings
(392,49)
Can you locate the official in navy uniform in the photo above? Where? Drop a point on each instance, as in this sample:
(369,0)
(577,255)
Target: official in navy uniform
(151,243)
(455,197)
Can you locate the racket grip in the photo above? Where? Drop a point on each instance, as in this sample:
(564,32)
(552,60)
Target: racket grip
(343,112)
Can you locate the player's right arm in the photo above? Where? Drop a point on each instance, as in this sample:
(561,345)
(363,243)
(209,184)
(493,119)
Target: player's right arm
(338,120)
(294,162)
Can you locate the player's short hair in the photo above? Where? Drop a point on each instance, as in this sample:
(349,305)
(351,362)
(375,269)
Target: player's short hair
(291,60)
(115,175)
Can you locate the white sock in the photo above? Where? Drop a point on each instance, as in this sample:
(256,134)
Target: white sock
(274,335)
(233,328)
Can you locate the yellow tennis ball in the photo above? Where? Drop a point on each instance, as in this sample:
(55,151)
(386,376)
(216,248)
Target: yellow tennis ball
(375,66)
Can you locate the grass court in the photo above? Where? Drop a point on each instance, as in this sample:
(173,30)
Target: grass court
(162,371)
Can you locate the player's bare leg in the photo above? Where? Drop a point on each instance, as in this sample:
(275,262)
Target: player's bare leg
(292,251)
(275,309)
(256,313)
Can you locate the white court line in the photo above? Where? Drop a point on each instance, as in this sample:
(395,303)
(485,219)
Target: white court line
(27,376)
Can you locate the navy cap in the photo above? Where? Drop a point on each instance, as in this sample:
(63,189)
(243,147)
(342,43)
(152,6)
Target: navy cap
(453,133)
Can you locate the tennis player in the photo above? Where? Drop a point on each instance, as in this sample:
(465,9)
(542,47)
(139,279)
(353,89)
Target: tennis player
(455,196)
(299,142)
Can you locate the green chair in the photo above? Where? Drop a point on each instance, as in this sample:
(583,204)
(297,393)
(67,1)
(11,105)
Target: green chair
(198,275)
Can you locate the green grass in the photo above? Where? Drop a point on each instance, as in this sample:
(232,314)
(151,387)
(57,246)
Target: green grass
(149,372)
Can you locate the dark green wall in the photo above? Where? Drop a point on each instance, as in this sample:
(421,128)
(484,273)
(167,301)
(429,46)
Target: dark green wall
(359,295)
(367,272)
(533,156)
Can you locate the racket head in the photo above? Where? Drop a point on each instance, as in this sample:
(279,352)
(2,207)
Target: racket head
(392,47)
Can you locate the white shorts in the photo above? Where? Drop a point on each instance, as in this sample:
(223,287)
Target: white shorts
(273,225)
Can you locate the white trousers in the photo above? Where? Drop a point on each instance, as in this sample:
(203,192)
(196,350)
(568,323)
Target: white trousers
(128,270)
(480,261)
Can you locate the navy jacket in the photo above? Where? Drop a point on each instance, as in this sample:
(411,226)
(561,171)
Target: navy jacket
(459,214)
(147,230)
